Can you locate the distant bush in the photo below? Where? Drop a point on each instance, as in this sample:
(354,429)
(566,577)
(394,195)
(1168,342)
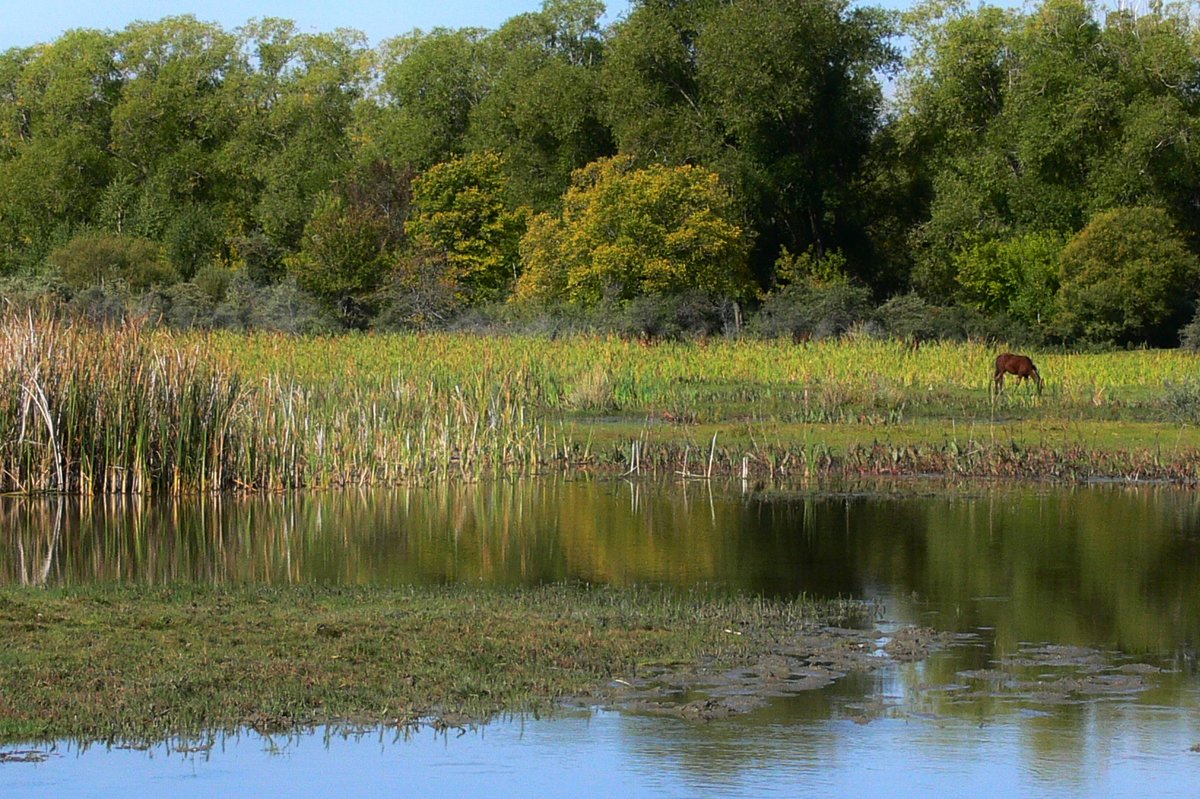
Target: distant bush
(1126,278)
(1189,334)
(92,258)
(813,309)
(671,316)
(101,304)
(1182,400)
(283,307)
(909,316)
(419,294)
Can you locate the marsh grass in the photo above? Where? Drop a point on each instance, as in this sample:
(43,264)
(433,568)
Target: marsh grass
(131,410)
(142,664)
(86,411)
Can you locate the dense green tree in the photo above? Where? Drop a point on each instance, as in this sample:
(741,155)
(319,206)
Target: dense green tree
(299,108)
(777,96)
(540,104)
(54,133)
(1127,277)
(178,106)
(429,83)
(1018,276)
(460,213)
(1037,121)
(626,232)
(343,255)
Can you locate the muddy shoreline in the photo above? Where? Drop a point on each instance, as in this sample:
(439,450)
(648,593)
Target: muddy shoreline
(1038,675)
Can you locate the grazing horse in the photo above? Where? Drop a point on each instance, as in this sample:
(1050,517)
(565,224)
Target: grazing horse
(1019,365)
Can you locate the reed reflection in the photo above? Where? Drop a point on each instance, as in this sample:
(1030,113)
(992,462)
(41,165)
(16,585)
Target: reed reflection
(1113,567)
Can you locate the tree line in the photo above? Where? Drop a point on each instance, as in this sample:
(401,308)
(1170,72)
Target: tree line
(1025,172)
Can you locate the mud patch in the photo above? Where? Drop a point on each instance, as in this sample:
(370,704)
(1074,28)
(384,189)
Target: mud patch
(1034,679)
(810,660)
(24,756)
(1054,675)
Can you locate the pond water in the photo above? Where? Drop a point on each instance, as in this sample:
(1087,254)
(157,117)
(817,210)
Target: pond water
(1091,587)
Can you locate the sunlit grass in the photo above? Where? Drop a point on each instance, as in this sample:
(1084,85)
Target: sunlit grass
(126,663)
(130,410)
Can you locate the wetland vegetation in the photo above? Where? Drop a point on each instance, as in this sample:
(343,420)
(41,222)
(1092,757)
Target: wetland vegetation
(127,409)
(143,663)
(731,277)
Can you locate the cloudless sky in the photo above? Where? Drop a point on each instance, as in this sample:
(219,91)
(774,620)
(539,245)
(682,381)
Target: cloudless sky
(26,22)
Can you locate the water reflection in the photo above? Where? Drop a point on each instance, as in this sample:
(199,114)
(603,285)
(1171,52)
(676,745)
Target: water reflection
(1109,568)
(1100,566)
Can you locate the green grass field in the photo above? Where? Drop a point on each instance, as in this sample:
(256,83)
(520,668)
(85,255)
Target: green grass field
(142,411)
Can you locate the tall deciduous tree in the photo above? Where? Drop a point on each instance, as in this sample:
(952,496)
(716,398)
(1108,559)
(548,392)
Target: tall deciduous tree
(429,84)
(177,109)
(777,96)
(626,232)
(540,104)
(461,214)
(298,111)
(54,131)
(1037,121)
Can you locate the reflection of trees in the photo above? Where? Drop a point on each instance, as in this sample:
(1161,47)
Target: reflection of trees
(1112,567)
(1109,567)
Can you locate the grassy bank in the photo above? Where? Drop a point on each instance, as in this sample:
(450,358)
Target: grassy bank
(139,411)
(144,664)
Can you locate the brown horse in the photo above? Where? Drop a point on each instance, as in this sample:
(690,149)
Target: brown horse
(1019,365)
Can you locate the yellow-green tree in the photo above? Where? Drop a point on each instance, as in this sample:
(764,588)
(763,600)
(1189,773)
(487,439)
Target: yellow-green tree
(625,232)
(460,214)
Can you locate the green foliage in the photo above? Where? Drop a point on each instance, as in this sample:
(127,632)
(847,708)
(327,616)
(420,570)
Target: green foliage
(430,82)
(342,254)
(93,258)
(540,109)
(777,96)
(460,213)
(626,232)
(813,309)
(1017,276)
(1127,277)
(228,149)
(1035,121)
(296,145)
(808,266)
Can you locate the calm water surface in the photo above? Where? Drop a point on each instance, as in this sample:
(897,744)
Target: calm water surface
(1109,569)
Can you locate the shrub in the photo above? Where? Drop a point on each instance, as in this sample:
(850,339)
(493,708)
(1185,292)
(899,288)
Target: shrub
(909,316)
(813,309)
(1017,276)
(672,316)
(342,254)
(283,307)
(419,294)
(92,258)
(1127,277)
(1189,334)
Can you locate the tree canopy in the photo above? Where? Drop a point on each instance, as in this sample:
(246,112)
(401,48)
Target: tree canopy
(689,145)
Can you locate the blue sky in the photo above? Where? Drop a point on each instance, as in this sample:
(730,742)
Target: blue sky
(26,22)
